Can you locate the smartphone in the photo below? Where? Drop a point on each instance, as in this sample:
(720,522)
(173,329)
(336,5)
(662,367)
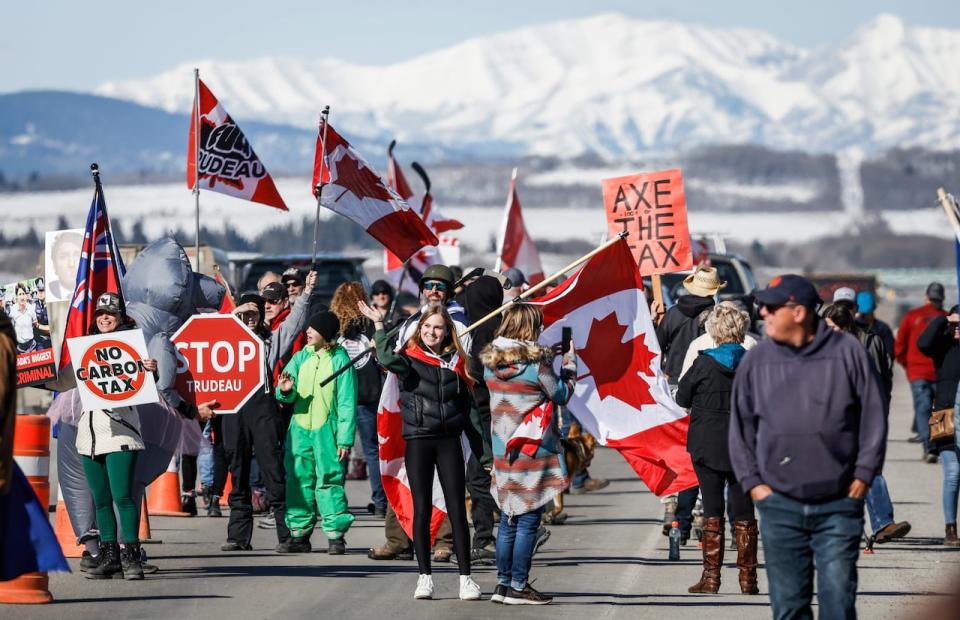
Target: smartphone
(566,340)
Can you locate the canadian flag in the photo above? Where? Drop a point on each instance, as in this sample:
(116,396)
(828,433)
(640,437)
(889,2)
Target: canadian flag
(228,164)
(393,471)
(435,221)
(528,437)
(516,248)
(621,398)
(354,190)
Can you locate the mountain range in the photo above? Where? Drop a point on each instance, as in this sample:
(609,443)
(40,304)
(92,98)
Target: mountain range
(609,85)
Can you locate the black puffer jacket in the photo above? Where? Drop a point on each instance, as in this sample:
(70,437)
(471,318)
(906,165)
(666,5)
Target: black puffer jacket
(680,326)
(434,401)
(937,343)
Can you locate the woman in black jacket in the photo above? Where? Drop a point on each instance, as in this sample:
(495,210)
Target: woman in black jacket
(705,390)
(435,401)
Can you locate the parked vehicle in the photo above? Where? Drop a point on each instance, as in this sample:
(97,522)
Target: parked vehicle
(732,269)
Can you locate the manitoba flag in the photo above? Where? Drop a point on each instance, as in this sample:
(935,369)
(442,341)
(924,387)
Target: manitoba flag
(100,271)
(621,397)
(516,247)
(227,162)
(355,191)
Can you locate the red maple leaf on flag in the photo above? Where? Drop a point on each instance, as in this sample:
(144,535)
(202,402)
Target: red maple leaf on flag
(615,365)
(359,180)
(390,428)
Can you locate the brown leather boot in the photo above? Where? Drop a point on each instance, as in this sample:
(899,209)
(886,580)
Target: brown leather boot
(747,534)
(950,538)
(712,557)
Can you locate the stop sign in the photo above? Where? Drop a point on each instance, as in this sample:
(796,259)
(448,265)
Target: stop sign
(218,358)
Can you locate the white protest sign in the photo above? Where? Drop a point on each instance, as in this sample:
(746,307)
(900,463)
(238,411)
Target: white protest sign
(109,370)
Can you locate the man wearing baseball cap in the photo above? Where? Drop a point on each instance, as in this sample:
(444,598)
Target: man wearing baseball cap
(846,297)
(293,281)
(920,370)
(807,436)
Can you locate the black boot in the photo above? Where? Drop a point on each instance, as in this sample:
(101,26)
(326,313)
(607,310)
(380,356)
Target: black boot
(130,561)
(295,545)
(213,508)
(188,503)
(109,562)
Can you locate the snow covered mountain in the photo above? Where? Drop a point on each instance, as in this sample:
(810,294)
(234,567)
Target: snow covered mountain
(611,85)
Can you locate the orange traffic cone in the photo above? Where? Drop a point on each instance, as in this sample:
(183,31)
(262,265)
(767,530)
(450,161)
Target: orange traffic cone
(64,530)
(31,450)
(145,535)
(163,496)
(224,499)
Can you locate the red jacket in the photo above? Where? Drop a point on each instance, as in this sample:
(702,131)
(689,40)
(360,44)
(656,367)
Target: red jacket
(917,365)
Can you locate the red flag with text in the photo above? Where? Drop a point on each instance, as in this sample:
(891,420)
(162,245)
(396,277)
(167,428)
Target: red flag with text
(516,248)
(354,190)
(622,397)
(228,164)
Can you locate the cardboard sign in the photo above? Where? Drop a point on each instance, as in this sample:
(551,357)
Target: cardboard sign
(652,208)
(25,303)
(218,358)
(61,260)
(109,370)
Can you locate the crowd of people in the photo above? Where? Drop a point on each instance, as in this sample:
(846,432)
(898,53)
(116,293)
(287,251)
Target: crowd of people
(788,398)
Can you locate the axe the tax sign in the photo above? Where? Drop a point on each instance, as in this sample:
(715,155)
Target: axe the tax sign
(109,370)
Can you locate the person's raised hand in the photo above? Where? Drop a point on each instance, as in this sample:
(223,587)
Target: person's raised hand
(371,313)
(247,307)
(309,282)
(285,383)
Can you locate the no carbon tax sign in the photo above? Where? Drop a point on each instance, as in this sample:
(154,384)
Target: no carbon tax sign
(109,370)
(218,358)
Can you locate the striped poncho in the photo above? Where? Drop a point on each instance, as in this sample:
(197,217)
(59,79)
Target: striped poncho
(521,380)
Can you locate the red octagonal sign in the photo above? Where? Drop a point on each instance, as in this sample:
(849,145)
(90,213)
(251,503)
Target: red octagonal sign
(218,358)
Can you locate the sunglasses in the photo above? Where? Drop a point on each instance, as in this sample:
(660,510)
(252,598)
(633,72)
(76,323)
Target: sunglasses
(771,308)
(292,284)
(434,285)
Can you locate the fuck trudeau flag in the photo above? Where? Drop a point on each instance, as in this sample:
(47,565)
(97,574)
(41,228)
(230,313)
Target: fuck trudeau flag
(354,190)
(228,164)
(100,271)
(622,397)
(516,247)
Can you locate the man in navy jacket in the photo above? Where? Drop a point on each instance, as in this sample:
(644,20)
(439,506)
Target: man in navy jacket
(807,436)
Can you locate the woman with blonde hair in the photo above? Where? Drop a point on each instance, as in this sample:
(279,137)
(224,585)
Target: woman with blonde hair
(705,391)
(435,401)
(526,474)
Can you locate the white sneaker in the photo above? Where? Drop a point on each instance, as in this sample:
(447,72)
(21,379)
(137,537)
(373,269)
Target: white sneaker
(424,587)
(469,589)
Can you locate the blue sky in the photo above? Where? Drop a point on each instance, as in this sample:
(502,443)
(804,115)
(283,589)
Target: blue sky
(77,45)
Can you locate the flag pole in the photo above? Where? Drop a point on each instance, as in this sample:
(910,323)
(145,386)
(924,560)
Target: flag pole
(196,161)
(546,282)
(114,248)
(324,121)
(506,221)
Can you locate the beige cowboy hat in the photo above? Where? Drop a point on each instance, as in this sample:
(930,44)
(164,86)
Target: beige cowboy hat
(703,282)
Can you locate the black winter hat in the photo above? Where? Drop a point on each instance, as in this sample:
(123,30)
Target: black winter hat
(326,324)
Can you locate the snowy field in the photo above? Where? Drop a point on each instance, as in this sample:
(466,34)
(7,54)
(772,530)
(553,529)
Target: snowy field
(165,208)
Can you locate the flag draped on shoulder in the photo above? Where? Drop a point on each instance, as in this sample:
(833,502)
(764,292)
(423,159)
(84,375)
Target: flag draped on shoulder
(354,190)
(100,271)
(622,397)
(516,248)
(228,164)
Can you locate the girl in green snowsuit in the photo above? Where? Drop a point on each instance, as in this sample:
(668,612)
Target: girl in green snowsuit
(320,435)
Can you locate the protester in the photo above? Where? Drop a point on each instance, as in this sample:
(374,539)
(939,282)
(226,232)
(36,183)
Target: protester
(868,322)
(845,297)
(381,296)
(435,408)
(919,367)
(705,341)
(684,321)
(8,401)
(839,317)
(796,397)
(109,441)
(292,280)
(259,427)
(519,374)
(267,278)
(517,280)
(941,342)
(356,337)
(705,391)
(320,436)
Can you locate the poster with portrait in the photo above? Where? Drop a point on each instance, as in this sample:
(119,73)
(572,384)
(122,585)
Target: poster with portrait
(61,258)
(26,305)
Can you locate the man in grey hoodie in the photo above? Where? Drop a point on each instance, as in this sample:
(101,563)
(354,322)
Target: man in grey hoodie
(807,436)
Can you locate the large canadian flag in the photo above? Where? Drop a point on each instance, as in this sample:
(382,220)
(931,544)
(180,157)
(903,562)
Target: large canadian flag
(621,398)
(516,248)
(431,216)
(228,164)
(353,189)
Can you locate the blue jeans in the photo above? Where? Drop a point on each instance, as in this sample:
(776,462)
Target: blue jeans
(516,540)
(796,537)
(367,425)
(951,484)
(205,458)
(879,505)
(922,392)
